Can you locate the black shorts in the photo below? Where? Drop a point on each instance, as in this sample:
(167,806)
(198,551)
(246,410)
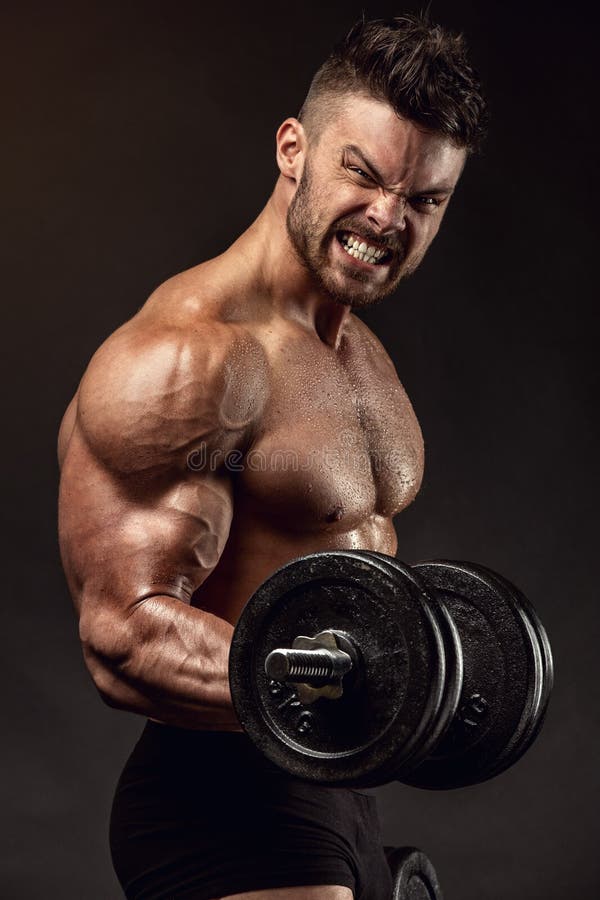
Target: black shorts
(199,815)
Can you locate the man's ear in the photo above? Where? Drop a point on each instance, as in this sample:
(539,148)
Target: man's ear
(291,149)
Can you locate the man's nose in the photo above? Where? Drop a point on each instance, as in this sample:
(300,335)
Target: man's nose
(387,212)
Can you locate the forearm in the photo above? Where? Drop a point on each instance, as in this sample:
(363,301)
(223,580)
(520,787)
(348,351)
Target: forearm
(166,660)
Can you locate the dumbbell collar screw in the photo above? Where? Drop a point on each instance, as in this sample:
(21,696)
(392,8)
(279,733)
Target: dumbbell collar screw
(316,666)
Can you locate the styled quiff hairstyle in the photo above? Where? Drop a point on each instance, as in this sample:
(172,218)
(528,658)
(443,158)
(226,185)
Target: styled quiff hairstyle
(417,67)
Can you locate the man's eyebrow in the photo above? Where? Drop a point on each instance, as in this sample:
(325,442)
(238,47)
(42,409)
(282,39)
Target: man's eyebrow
(442,188)
(352,148)
(438,189)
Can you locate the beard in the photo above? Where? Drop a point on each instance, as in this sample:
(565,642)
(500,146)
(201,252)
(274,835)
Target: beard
(311,239)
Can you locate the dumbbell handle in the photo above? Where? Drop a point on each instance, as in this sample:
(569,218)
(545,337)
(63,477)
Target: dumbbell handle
(315,667)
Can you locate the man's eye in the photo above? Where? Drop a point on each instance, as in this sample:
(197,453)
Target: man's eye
(427,202)
(360,172)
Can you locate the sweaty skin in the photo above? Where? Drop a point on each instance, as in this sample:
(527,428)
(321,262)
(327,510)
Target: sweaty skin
(245,416)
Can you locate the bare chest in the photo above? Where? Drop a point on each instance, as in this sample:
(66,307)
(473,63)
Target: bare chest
(338,441)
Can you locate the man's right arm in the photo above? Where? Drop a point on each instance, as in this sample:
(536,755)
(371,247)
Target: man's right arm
(140,530)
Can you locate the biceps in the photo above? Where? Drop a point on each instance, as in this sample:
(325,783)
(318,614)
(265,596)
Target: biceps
(123,544)
(171,547)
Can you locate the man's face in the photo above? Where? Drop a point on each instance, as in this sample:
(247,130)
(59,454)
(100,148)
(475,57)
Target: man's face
(371,198)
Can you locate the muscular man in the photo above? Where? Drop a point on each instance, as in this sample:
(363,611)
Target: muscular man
(243,417)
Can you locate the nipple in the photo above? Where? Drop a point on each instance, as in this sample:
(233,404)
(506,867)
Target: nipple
(336,514)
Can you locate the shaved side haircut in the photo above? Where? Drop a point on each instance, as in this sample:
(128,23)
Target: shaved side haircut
(419,68)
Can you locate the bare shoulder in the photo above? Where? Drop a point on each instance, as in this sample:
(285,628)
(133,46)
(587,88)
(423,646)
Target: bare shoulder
(369,348)
(155,388)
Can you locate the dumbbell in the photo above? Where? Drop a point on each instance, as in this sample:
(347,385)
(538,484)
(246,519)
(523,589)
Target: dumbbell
(351,668)
(413,875)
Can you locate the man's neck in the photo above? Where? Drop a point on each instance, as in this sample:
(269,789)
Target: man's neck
(273,267)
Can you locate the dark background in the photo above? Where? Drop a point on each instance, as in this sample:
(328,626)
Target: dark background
(137,140)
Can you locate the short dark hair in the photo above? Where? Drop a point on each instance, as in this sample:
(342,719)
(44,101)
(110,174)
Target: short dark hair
(419,68)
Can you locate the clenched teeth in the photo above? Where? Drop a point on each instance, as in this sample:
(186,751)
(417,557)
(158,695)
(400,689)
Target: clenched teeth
(361,250)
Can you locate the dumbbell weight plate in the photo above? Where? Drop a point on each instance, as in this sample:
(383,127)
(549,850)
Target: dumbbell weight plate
(387,709)
(532,723)
(510,752)
(453,674)
(500,681)
(413,874)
